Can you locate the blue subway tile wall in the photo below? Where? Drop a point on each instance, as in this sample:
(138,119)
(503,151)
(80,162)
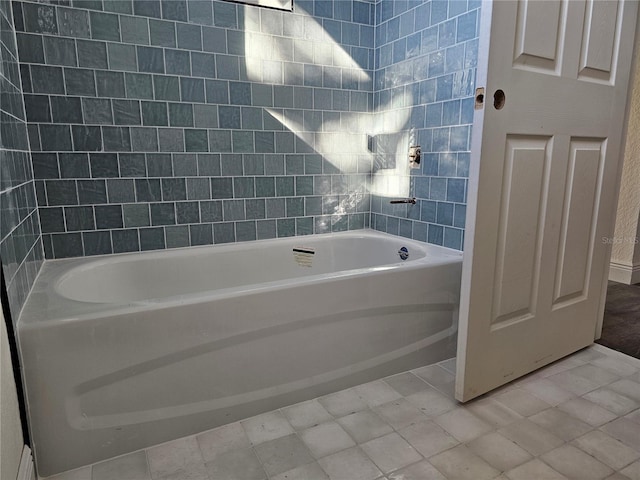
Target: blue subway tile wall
(168,124)
(425,65)
(20,242)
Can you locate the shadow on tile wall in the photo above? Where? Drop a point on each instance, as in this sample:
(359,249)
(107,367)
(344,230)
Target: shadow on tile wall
(20,243)
(158,124)
(167,124)
(426,57)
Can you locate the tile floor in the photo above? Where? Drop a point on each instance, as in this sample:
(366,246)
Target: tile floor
(576,419)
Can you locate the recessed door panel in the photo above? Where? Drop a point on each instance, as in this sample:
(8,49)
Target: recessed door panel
(539,34)
(522,205)
(599,39)
(579,216)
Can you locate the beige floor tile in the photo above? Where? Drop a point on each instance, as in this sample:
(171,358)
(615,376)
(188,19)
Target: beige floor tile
(460,463)
(560,366)
(306,414)
(533,438)
(627,387)
(499,452)
(607,449)
(282,454)
(428,438)
(311,471)
(574,463)
(535,470)
(615,365)
(199,473)
(221,440)
(364,426)
(462,424)
(492,412)
(418,471)
(587,354)
(343,403)
(548,391)
(624,430)
(83,473)
(587,411)
(267,426)
(399,413)
(612,401)
(351,464)
(128,467)
(632,471)
(561,424)
(376,393)
(437,376)
(574,383)
(407,383)
(449,365)
(236,465)
(390,452)
(522,402)
(595,374)
(617,476)
(431,402)
(325,439)
(181,455)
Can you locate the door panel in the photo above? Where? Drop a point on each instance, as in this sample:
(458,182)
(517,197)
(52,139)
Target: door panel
(542,184)
(579,217)
(601,35)
(523,190)
(538,34)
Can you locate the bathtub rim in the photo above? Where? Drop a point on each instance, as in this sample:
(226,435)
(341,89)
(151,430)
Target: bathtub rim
(35,314)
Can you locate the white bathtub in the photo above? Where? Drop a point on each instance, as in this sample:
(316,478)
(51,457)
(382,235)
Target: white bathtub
(125,351)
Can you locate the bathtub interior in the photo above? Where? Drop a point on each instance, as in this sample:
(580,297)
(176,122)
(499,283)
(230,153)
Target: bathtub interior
(130,278)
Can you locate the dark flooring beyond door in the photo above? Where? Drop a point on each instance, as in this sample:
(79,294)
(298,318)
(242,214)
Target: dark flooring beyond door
(621,327)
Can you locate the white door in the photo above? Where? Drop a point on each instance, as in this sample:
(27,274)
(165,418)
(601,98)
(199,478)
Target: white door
(542,187)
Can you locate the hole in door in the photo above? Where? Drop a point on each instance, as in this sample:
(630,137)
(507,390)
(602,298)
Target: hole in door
(499,99)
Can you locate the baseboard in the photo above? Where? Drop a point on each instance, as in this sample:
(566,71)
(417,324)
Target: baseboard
(26,470)
(621,273)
